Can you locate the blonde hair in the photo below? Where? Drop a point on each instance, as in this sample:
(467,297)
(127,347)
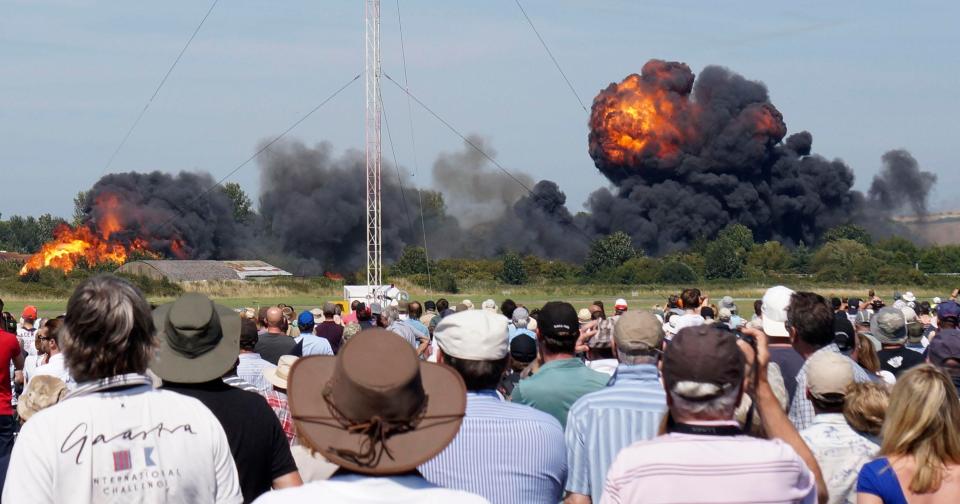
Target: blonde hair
(865,406)
(924,421)
(867,355)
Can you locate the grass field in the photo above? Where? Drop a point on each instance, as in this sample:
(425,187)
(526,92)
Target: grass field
(237,295)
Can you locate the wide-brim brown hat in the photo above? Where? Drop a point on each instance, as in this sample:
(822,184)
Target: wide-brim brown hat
(199,340)
(375,408)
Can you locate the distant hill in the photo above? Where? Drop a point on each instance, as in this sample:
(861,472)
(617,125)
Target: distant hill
(940,228)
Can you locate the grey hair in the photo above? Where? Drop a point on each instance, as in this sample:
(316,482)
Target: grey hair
(721,407)
(108,330)
(392,313)
(636,359)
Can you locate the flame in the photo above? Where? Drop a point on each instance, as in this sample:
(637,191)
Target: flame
(71,245)
(92,245)
(634,118)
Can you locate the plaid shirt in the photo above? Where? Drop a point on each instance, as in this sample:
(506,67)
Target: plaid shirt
(278,401)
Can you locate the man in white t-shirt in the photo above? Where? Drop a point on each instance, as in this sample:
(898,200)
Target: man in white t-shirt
(367,411)
(116,438)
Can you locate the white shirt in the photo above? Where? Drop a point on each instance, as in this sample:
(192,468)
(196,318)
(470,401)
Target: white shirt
(133,445)
(28,338)
(55,367)
(358,489)
(607,366)
(841,452)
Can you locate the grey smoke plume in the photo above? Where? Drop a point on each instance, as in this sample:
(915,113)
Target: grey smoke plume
(474,191)
(165,210)
(901,184)
(313,205)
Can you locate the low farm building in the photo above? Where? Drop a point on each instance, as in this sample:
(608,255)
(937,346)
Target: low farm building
(202,270)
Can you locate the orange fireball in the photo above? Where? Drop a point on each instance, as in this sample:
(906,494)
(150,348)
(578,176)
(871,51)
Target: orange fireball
(70,245)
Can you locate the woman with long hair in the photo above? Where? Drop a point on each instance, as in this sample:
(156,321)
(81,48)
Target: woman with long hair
(920,454)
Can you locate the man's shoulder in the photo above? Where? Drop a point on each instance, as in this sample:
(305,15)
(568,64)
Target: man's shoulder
(622,396)
(8,339)
(744,449)
(514,413)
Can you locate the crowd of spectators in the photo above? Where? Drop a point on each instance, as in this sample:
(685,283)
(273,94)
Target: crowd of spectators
(800,399)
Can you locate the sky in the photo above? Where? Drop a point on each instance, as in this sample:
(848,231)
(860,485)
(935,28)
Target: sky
(863,77)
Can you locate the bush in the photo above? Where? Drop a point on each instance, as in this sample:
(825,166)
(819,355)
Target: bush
(609,252)
(724,259)
(413,261)
(639,270)
(675,272)
(848,232)
(844,261)
(154,288)
(740,236)
(770,257)
(513,271)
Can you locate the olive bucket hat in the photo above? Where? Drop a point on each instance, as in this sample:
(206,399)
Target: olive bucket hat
(199,340)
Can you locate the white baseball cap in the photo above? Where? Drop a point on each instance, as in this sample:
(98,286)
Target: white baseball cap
(620,303)
(489,305)
(774,310)
(474,335)
(909,297)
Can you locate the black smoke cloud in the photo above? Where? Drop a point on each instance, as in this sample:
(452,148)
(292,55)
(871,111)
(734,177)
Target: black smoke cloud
(168,212)
(718,156)
(721,156)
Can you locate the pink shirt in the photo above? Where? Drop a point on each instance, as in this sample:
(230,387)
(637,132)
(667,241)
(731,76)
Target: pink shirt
(694,468)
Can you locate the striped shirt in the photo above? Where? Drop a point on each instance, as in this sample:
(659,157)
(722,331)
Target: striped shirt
(251,370)
(801,409)
(505,452)
(700,469)
(602,423)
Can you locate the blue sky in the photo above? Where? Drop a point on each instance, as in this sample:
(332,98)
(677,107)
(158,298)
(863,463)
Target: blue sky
(863,77)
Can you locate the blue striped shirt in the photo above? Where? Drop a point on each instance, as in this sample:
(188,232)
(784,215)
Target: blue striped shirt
(602,423)
(505,452)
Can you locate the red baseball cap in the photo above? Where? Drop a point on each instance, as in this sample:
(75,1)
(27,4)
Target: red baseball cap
(29,312)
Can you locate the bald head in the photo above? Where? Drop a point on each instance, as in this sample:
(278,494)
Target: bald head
(274,319)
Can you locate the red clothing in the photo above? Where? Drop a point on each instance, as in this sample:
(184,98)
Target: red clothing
(9,348)
(349,318)
(278,402)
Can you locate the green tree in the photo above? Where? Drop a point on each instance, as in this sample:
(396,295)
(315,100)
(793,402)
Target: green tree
(724,259)
(801,257)
(848,232)
(769,257)
(737,234)
(242,205)
(844,261)
(413,261)
(609,252)
(676,272)
(513,272)
(80,207)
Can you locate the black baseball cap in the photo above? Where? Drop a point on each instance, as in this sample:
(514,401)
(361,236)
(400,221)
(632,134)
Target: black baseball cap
(523,348)
(558,320)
